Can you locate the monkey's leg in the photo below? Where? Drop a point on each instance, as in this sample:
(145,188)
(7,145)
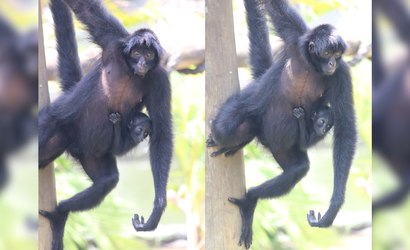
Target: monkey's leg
(104,174)
(230,135)
(295,165)
(229,151)
(52,143)
(51,149)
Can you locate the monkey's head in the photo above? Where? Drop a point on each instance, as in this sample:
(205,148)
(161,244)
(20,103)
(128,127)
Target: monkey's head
(322,120)
(142,51)
(139,128)
(323,48)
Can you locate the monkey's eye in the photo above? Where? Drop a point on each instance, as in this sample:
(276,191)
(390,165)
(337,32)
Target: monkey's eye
(150,55)
(321,121)
(135,53)
(328,126)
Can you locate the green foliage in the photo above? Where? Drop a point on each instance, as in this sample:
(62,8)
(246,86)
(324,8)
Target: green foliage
(188,173)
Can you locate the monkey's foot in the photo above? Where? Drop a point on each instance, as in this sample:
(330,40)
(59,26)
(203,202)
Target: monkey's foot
(57,218)
(57,221)
(226,151)
(114,117)
(298,112)
(210,141)
(247,209)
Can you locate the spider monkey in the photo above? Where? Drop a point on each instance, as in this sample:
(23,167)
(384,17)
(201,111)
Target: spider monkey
(125,79)
(314,128)
(18,91)
(308,68)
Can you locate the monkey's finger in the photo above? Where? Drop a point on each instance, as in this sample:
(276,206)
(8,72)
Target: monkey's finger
(319,216)
(235,201)
(142,220)
(45,213)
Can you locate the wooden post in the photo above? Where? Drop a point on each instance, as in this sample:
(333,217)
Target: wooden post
(224,176)
(47,189)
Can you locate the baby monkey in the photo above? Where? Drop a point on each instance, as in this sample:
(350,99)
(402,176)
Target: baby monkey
(137,129)
(315,128)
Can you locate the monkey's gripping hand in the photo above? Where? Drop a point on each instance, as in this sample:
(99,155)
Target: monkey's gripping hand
(298,112)
(114,117)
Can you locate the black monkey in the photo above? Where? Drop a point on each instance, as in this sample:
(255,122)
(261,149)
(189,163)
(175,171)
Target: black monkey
(78,121)
(308,68)
(138,128)
(18,91)
(314,127)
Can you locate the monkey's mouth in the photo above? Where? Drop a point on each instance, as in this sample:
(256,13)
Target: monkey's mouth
(140,71)
(329,71)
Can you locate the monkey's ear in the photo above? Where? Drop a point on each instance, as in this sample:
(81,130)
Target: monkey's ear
(311,47)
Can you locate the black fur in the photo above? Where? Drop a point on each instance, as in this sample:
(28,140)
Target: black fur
(79,121)
(299,76)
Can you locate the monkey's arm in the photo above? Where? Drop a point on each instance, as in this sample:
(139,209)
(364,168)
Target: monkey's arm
(260,50)
(344,145)
(115,119)
(289,25)
(299,113)
(158,103)
(69,69)
(103,27)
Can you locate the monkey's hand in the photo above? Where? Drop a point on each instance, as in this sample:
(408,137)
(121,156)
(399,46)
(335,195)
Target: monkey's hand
(247,209)
(139,223)
(325,221)
(114,117)
(210,141)
(298,112)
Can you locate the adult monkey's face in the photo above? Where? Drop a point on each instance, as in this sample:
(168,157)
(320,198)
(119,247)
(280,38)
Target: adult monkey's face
(325,49)
(142,52)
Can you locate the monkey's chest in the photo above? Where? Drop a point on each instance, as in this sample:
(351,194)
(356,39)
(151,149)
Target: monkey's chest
(122,93)
(301,87)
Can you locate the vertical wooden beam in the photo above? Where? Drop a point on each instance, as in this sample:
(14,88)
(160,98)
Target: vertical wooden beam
(47,189)
(224,176)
